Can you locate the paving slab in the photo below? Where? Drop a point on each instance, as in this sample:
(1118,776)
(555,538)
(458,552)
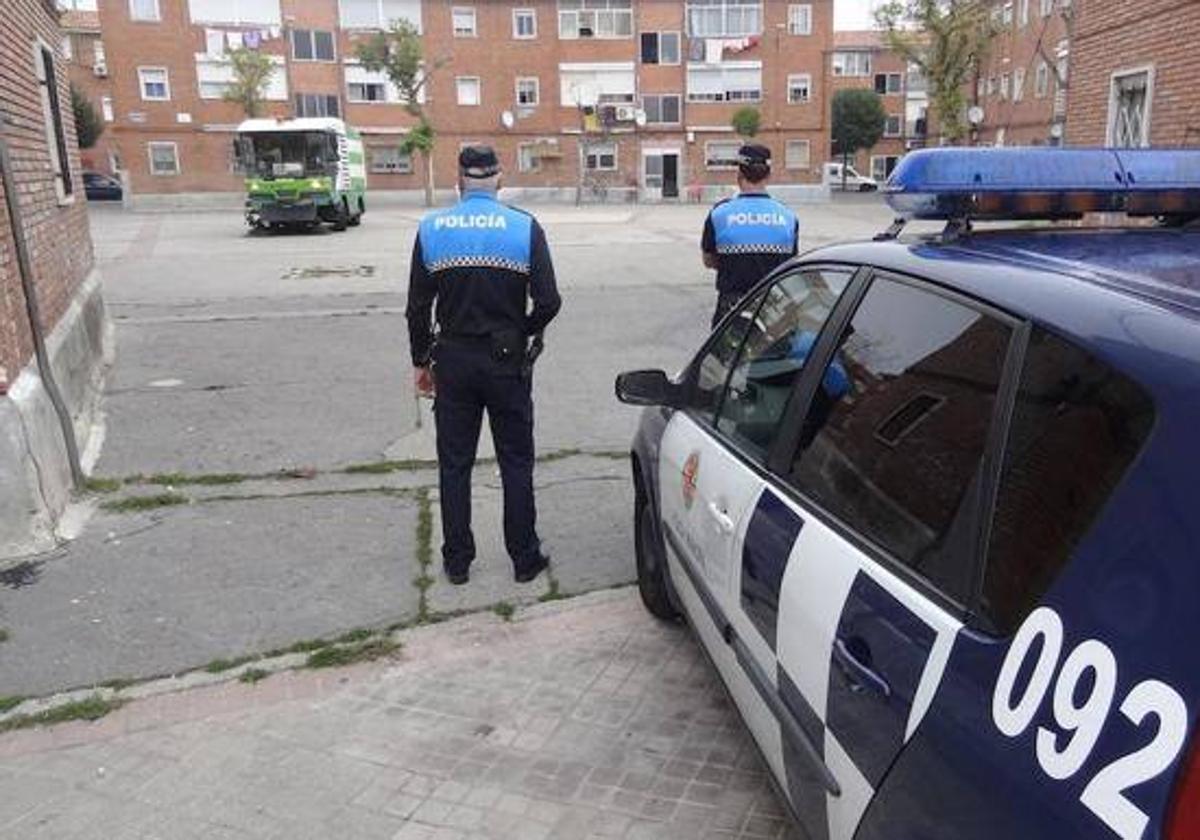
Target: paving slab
(146,594)
(578,720)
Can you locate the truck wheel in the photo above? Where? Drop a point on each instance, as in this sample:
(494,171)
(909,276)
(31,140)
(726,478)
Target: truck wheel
(651,563)
(356,219)
(342,220)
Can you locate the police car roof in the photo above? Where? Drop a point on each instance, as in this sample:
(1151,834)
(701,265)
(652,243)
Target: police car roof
(1080,282)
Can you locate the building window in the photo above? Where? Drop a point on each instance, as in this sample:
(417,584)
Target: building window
(799,87)
(1018,89)
(154,83)
(856,63)
(390,159)
(370,86)
(528,94)
(892,125)
(524,23)
(1041,80)
(527,159)
(662,108)
(463,19)
(468,90)
(1047,8)
(56,136)
(106,108)
(144,10)
(730,81)
(886,83)
(235,12)
(378,14)
(367,92)
(1024,13)
(66,50)
(317,105)
(590,84)
(216,75)
(882,166)
(312,45)
(730,18)
(1006,14)
(800,19)
(1129,108)
(660,48)
(798,154)
(164,158)
(595,19)
(601,157)
(721,154)
(1005,82)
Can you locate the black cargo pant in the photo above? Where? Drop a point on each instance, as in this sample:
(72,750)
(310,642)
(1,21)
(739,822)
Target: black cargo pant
(470,381)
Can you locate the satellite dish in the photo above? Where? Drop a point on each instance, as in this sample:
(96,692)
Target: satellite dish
(975,115)
(640,117)
(507,119)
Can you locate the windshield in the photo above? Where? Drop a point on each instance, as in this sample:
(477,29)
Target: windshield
(288,155)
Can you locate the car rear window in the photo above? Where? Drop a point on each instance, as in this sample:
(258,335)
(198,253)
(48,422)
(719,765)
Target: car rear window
(1077,425)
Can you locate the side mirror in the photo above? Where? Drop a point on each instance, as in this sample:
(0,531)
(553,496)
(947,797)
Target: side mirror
(647,387)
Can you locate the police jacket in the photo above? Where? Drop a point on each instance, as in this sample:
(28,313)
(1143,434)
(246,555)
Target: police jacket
(751,234)
(481,260)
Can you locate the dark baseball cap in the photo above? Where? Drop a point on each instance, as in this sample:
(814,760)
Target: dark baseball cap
(753,154)
(478,162)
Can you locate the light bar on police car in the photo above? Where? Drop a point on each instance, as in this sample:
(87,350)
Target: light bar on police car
(1044,183)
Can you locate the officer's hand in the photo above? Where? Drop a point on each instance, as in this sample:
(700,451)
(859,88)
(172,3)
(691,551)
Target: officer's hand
(423,381)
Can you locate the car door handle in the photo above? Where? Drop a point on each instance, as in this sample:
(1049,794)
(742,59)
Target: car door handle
(858,672)
(724,520)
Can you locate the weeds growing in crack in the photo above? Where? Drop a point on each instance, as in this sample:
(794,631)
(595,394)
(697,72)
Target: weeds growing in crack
(253,675)
(4,637)
(219,665)
(365,651)
(133,504)
(90,708)
(101,485)
(424,580)
(10,703)
(504,609)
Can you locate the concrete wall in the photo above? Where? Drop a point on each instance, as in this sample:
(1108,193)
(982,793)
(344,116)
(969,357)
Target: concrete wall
(35,478)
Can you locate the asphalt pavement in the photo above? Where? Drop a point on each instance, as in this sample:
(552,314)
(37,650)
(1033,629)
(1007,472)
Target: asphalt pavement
(274,463)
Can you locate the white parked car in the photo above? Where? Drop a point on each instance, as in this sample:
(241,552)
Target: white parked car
(854,181)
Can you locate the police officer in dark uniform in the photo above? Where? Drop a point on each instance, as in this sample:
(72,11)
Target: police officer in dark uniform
(481,261)
(747,236)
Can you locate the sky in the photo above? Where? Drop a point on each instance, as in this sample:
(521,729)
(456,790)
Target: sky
(853,14)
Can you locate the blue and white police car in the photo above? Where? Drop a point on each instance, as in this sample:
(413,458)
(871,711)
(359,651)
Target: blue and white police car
(930,505)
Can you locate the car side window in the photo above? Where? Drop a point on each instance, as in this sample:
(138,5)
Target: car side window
(1076,427)
(711,369)
(773,354)
(893,442)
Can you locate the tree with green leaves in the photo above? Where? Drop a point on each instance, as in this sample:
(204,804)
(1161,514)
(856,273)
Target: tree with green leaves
(88,125)
(252,72)
(948,40)
(400,54)
(858,121)
(746,121)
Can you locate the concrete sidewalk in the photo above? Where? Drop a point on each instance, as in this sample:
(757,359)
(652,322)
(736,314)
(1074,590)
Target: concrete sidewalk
(580,719)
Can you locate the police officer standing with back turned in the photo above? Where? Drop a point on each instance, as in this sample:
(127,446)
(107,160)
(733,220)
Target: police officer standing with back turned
(747,236)
(481,261)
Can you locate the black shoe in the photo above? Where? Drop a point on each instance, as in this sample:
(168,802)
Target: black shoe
(456,576)
(528,573)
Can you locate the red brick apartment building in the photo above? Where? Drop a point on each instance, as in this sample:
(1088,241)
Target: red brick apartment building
(861,59)
(45,211)
(87,65)
(623,96)
(1133,74)
(1022,87)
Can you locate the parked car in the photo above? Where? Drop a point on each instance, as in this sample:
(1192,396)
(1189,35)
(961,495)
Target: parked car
(928,505)
(853,181)
(100,187)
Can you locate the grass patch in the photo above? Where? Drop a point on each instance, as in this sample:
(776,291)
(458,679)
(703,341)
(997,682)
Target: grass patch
(7,704)
(178,479)
(90,708)
(424,553)
(505,610)
(553,593)
(359,635)
(217,666)
(101,485)
(132,504)
(365,651)
(303,646)
(253,675)
(4,637)
(384,467)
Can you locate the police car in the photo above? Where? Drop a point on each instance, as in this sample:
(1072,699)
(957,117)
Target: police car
(929,504)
